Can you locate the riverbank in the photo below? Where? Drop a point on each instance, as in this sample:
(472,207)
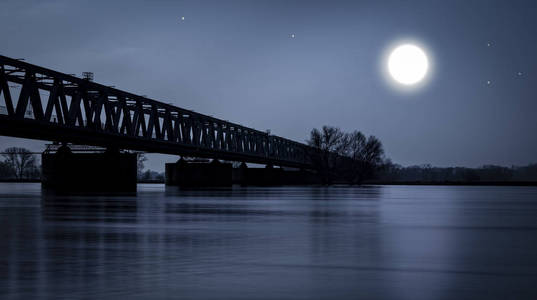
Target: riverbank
(372,182)
(456,183)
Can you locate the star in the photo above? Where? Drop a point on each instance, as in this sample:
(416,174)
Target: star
(182,18)
(519,73)
(489,44)
(292,35)
(488,82)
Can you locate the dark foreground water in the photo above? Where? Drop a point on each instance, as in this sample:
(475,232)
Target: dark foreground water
(378,242)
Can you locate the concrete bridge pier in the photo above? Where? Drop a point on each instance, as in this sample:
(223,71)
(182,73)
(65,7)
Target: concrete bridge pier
(199,174)
(271,176)
(109,172)
(267,176)
(217,174)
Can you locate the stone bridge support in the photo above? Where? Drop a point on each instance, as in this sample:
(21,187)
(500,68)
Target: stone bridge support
(271,176)
(199,174)
(89,173)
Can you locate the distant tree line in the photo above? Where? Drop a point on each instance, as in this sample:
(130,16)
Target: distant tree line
(341,157)
(147,175)
(391,172)
(19,164)
(151,176)
(345,157)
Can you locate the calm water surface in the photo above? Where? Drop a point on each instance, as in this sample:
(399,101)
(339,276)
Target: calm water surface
(377,242)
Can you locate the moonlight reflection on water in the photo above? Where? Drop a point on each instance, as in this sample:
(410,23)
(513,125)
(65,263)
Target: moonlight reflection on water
(376,242)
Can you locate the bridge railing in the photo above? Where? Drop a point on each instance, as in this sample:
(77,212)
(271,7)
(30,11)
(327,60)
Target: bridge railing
(66,108)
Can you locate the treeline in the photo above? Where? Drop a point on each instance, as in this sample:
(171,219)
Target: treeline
(345,157)
(340,157)
(147,175)
(151,176)
(19,164)
(390,172)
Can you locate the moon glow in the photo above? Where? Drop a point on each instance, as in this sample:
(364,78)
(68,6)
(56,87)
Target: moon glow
(408,64)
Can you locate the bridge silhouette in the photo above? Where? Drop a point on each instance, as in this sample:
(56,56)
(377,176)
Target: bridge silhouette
(48,105)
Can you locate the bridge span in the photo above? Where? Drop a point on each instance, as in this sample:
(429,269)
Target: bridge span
(48,105)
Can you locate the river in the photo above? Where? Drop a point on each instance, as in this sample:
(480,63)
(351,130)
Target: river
(371,242)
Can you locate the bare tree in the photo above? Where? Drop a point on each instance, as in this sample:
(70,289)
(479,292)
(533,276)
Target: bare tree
(349,156)
(20,160)
(140,164)
(5,170)
(330,142)
(366,156)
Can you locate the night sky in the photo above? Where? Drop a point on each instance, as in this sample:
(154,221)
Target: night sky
(289,66)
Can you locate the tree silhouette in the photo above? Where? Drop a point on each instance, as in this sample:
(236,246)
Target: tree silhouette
(20,160)
(329,143)
(348,156)
(366,156)
(140,164)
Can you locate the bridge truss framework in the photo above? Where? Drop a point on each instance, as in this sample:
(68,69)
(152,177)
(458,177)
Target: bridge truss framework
(48,105)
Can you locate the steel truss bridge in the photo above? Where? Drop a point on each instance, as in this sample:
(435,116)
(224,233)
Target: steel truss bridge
(47,105)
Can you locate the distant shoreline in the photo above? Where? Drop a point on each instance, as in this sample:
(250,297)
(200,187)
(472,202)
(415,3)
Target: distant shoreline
(39,180)
(424,183)
(454,183)
(151,181)
(20,180)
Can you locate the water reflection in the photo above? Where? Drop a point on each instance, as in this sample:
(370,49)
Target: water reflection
(271,243)
(89,209)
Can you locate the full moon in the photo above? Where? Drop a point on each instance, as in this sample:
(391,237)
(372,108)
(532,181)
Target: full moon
(408,64)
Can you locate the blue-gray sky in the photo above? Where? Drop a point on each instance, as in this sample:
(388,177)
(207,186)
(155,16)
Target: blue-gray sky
(236,60)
